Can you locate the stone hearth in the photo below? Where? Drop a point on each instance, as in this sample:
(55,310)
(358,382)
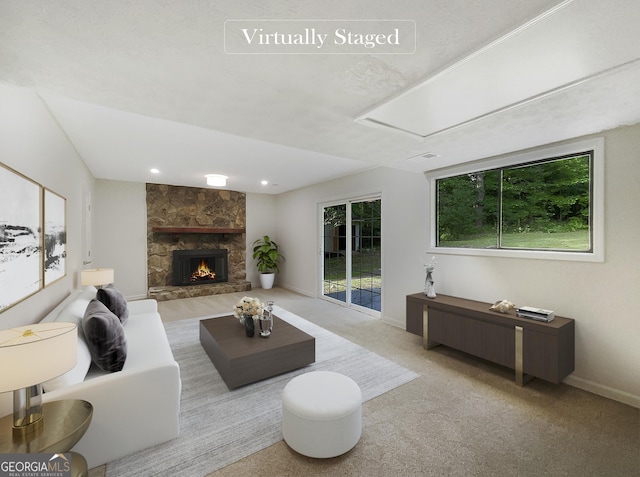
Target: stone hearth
(174,293)
(190,218)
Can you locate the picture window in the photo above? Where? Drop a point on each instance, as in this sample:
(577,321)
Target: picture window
(538,204)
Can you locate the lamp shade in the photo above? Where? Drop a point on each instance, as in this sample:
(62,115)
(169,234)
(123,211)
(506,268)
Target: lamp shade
(36,353)
(97,276)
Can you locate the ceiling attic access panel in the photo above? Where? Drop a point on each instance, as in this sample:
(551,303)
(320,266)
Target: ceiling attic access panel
(576,42)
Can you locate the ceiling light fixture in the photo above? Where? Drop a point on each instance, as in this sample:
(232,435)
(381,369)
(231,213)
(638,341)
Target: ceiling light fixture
(155,171)
(264,182)
(216,180)
(424,155)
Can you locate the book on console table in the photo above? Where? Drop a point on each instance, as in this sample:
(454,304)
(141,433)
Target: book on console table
(538,314)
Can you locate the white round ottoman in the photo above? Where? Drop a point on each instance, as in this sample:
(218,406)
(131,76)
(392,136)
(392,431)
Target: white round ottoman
(321,414)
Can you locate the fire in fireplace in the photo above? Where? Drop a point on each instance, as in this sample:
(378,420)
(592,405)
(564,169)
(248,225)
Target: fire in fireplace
(203,272)
(195,267)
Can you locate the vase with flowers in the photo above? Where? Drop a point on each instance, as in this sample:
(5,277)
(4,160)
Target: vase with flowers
(429,284)
(247,310)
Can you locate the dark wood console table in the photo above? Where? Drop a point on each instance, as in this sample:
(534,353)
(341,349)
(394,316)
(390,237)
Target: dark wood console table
(532,348)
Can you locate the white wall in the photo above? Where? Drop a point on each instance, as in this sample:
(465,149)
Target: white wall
(601,297)
(32,143)
(261,221)
(120,234)
(403,233)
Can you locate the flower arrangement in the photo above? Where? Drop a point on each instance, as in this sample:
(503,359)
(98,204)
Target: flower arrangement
(429,286)
(430,266)
(248,306)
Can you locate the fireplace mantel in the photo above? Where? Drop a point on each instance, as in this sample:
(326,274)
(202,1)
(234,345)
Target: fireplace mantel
(198,230)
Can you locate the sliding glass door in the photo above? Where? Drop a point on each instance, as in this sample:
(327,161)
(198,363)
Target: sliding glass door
(334,283)
(351,250)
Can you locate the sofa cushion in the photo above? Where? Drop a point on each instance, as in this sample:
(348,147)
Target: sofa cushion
(68,305)
(78,373)
(105,337)
(73,313)
(115,301)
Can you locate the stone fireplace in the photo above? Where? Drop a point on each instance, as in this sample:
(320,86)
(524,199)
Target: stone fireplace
(192,220)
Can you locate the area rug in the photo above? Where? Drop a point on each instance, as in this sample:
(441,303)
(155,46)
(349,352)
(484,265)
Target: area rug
(219,426)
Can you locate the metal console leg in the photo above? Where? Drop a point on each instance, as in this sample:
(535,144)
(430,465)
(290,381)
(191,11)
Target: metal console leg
(521,378)
(426,342)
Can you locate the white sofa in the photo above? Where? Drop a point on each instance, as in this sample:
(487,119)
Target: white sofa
(135,408)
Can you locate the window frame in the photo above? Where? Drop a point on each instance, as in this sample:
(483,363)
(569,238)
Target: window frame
(596,207)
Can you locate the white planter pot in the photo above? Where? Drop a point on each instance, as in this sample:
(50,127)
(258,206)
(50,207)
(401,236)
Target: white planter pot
(266,280)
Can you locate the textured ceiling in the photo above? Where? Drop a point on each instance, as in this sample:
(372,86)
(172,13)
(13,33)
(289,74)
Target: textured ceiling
(148,84)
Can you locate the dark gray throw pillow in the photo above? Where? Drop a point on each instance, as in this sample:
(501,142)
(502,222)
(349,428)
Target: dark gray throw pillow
(105,337)
(115,301)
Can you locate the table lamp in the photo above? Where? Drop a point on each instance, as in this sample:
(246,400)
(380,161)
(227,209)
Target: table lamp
(97,277)
(31,355)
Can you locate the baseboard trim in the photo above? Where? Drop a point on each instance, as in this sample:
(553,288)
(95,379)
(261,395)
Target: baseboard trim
(298,290)
(136,297)
(604,391)
(397,323)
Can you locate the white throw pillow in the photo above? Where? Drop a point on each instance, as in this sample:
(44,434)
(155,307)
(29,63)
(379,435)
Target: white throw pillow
(77,373)
(73,313)
(75,309)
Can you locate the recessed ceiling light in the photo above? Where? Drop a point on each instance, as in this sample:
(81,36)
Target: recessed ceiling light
(216,180)
(155,171)
(264,182)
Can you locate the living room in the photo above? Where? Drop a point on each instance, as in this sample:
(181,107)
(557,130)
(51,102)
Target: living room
(599,295)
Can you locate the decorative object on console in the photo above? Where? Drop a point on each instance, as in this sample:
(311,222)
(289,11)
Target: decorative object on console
(247,310)
(97,277)
(37,353)
(537,314)
(266,252)
(429,284)
(503,306)
(266,321)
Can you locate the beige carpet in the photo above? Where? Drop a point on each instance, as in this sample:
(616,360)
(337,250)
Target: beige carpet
(463,417)
(219,426)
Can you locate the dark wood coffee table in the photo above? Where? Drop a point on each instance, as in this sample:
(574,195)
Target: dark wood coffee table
(242,360)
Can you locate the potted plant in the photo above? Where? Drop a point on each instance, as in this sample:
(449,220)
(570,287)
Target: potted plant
(265,251)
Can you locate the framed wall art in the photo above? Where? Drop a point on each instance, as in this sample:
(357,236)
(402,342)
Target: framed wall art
(21,271)
(55,237)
